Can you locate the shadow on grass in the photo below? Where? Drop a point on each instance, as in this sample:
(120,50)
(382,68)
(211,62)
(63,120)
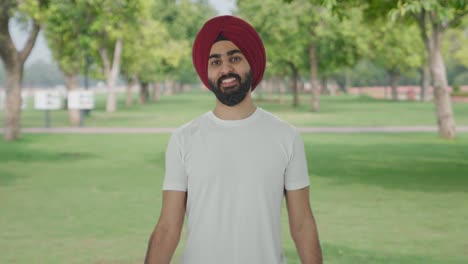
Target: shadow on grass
(7,178)
(406,166)
(25,154)
(338,254)
(20,154)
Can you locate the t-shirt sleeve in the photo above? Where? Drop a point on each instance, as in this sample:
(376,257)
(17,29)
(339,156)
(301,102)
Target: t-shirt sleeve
(296,174)
(175,178)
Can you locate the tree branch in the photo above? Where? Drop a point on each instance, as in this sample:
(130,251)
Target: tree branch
(105,61)
(422,20)
(457,18)
(116,60)
(23,54)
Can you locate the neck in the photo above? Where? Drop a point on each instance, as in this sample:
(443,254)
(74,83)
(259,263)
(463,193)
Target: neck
(240,111)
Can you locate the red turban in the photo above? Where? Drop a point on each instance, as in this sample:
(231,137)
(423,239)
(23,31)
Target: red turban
(241,33)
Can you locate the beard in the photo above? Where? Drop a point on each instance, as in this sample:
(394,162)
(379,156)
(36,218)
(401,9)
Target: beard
(234,95)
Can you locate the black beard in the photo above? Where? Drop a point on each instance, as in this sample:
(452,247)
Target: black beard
(235,95)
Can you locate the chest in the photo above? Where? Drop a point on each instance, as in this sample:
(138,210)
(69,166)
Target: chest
(233,159)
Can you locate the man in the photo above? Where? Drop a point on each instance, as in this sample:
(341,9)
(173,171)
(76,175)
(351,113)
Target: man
(229,169)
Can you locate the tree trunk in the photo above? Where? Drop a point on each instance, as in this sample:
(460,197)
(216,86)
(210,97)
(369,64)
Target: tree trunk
(169,85)
(422,20)
(71,82)
(347,82)
(129,90)
(156,92)
(178,86)
(394,78)
(425,81)
(324,87)
(175,87)
(13,62)
(269,89)
(332,87)
(300,86)
(442,100)
(144,92)
(282,90)
(259,90)
(112,73)
(294,89)
(314,79)
(12,114)
(293,84)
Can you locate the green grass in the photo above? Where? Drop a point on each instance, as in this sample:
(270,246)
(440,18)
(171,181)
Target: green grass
(173,111)
(378,198)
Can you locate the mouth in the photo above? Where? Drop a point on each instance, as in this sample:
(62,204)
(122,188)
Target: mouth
(228,82)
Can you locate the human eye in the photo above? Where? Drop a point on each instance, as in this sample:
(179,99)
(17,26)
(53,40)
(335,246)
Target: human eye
(235,59)
(215,62)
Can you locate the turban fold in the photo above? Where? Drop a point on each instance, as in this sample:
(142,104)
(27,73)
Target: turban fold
(239,32)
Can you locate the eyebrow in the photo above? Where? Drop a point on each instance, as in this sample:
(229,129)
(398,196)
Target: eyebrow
(229,53)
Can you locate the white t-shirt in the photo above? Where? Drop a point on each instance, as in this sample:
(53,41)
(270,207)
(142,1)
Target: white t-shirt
(235,173)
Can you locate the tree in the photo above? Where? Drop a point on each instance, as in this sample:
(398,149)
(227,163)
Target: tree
(183,19)
(150,52)
(433,18)
(109,21)
(396,48)
(31,13)
(65,31)
(341,43)
(284,42)
(303,35)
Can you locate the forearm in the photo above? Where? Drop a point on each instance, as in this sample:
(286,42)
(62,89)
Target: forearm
(162,245)
(307,243)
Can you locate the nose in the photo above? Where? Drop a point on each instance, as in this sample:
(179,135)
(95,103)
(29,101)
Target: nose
(226,68)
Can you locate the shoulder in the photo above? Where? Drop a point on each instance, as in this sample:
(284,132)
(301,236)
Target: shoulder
(185,131)
(277,125)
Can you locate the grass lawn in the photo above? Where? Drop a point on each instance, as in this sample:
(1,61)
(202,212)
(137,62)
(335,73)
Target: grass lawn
(173,111)
(378,198)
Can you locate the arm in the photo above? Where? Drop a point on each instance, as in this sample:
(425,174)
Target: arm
(166,235)
(302,226)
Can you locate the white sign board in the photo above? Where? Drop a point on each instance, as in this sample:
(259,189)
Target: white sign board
(24,100)
(80,100)
(47,100)
(3,98)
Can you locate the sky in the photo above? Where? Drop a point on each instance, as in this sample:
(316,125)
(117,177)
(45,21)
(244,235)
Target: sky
(41,51)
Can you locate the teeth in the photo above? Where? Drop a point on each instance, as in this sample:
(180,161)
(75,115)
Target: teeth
(229,80)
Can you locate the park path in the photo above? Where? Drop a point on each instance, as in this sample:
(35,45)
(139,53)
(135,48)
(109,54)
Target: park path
(162,130)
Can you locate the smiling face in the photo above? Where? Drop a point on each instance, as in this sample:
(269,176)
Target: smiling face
(229,73)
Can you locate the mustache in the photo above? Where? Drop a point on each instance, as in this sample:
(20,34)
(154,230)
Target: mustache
(230,75)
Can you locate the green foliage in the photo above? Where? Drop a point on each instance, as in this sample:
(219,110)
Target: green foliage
(278,27)
(66,28)
(182,20)
(461,79)
(36,10)
(396,47)
(76,29)
(443,12)
(145,51)
(288,30)
(341,42)
(455,46)
(160,47)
